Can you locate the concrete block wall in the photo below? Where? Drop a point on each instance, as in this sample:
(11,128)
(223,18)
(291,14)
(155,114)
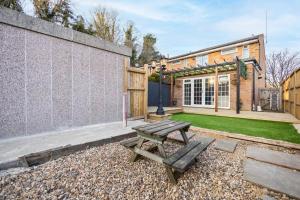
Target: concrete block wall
(54,78)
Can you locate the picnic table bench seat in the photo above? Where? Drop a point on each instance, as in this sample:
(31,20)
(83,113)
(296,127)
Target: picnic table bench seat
(130,143)
(182,159)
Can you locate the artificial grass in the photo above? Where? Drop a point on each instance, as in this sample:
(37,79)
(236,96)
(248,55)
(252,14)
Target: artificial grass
(258,128)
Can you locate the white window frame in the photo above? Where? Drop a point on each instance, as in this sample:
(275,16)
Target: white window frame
(243,47)
(228,51)
(203,93)
(203,60)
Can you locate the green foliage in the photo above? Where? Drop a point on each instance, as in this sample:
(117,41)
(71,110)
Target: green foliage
(12,4)
(243,68)
(79,24)
(59,12)
(131,42)
(148,53)
(258,128)
(154,77)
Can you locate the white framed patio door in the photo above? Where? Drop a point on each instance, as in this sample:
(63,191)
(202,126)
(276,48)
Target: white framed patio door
(200,92)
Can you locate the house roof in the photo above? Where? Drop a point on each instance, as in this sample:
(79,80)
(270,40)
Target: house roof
(255,37)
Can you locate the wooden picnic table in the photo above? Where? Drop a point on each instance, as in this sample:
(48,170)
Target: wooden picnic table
(157,133)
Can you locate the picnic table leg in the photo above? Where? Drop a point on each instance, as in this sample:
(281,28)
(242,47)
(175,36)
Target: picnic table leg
(168,169)
(185,138)
(139,145)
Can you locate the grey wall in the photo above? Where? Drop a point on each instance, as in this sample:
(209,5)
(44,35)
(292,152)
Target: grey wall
(53,80)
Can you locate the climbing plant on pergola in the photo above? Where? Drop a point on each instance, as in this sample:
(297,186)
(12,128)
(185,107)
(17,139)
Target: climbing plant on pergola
(238,65)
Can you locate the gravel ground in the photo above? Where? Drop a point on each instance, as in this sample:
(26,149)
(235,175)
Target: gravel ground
(105,173)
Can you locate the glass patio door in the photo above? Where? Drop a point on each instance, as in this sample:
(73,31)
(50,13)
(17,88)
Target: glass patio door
(198,92)
(209,94)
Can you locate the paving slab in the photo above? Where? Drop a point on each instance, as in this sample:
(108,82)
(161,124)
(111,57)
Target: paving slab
(274,157)
(226,145)
(277,178)
(297,127)
(13,148)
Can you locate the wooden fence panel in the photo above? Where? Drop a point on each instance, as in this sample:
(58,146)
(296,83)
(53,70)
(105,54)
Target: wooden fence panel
(136,86)
(291,94)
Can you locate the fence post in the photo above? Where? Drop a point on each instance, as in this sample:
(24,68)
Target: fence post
(146,92)
(294,92)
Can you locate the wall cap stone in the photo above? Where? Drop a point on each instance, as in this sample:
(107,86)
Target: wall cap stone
(21,20)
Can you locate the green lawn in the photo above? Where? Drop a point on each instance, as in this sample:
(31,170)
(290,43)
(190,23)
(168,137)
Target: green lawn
(259,128)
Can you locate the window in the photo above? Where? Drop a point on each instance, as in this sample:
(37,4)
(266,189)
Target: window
(202,60)
(200,92)
(246,52)
(223,92)
(209,91)
(228,51)
(175,62)
(187,92)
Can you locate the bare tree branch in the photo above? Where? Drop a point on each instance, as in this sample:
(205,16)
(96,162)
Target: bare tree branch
(280,65)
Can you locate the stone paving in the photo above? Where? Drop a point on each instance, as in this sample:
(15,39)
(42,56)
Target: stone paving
(274,157)
(41,142)
(226,145)
(274,177)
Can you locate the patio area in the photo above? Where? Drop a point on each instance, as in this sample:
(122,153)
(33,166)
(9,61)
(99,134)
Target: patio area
(86,135)
(106,173)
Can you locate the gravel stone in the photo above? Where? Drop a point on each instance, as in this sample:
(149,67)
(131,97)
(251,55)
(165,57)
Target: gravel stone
(106,173)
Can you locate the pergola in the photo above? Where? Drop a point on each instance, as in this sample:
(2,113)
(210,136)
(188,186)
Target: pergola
(238,65)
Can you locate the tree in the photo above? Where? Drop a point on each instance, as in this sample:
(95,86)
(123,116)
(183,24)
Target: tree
(280,65)
(65,13)
(54,11)
(12,4)
(148,53)
(131,42)
(106,24)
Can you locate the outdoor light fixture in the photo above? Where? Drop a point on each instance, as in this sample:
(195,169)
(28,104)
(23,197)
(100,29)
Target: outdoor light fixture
(160,109)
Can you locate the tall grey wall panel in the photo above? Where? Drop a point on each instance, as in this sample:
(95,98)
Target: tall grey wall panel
(54,78)
(120,74)
(81,85)
(97,78)
(12,82)
(38,84)
(111,106)
(62,83)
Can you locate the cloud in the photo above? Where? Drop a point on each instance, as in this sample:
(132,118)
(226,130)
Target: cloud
(158,10)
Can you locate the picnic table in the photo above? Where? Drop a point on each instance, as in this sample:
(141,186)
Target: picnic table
(157,133)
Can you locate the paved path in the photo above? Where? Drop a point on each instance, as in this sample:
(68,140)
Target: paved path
(272,116)
(11,149)
(274,157)
(274,177)
(226,145)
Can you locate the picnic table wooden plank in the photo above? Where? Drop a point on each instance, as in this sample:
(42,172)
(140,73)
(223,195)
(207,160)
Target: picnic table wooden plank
(156,125)
(181,152)
(160,128)
(150,124)
(165,132)
(183,162)
(131,142)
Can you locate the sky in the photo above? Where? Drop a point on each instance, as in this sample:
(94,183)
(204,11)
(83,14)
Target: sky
(182,26)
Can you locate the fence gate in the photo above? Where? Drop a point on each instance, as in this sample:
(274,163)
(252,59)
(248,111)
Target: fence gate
(270,99)
(136,88)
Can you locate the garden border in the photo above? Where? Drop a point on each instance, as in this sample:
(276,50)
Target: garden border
(247,138)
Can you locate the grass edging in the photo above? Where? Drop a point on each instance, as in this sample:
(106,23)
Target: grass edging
(247,138)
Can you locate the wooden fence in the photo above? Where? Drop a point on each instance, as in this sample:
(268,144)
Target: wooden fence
(136,88)
(291,94)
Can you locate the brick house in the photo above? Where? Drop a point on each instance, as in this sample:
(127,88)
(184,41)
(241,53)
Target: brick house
(198,91)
